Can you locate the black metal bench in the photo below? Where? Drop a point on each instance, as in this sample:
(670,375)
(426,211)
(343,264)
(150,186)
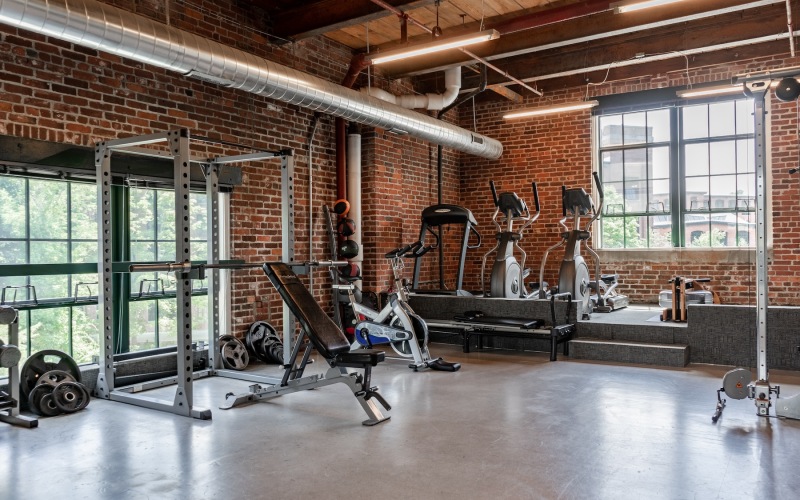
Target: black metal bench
(328,340)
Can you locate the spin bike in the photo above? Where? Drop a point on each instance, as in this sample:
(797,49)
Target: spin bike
(396,324)
(573,276)
(508,275)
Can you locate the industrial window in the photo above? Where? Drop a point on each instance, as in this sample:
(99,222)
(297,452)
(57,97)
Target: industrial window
(48,270)
(682,176)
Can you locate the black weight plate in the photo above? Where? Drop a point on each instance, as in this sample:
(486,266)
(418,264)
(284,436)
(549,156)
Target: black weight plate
(37,365)
(68,396)
(47,406)
(54,377)
(259,349)
(234,355)
(35,397)
(87,396)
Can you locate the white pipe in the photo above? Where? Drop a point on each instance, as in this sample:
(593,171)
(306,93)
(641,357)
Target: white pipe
(354,192)
(434,102)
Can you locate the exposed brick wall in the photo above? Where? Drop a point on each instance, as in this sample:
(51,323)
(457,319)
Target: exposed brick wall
(555,150)
(55,91)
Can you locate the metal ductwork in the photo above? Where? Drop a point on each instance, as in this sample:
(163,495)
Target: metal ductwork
(103,27)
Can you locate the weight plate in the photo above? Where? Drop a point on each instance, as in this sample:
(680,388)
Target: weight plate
(42,362)
(234,355)
(87,396)
(54,377)
(68,396)
(736,383)
(35,397)
(258,349)
(47,406)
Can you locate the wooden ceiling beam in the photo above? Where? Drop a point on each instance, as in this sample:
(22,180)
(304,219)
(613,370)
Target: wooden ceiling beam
(330,15)
(711,32)
(529,41)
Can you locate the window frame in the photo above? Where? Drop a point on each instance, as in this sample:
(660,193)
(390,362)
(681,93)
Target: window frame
(27,306)
(678,210)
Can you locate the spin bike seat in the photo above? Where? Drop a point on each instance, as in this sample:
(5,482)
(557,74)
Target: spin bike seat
(609,278)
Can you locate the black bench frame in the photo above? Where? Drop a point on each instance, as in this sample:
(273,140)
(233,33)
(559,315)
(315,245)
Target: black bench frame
(558,333)
(325,337)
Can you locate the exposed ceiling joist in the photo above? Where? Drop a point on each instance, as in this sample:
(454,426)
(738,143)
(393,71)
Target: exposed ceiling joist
(305,21)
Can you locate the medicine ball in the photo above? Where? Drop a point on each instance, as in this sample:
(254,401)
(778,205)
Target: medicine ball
(348,249)
(788,89)
(341,207)
(350,271)
(346,227)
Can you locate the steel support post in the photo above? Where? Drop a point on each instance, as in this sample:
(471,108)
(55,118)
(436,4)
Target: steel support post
(760,390)
(213,275)
(105,291)
(287,239)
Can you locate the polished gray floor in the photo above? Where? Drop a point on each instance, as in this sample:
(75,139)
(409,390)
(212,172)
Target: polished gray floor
(508,425)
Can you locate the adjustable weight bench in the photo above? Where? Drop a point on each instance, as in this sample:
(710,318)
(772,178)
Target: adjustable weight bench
(329,341)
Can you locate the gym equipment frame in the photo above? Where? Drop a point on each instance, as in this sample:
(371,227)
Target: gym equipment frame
(9,358)
(738,383)
(178,144)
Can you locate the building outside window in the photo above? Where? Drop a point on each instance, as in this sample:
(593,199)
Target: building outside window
(679,176)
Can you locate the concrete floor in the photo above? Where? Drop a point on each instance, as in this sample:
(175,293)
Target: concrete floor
(508,425)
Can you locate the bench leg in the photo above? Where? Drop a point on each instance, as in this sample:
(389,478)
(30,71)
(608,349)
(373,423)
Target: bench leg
(466,336)
(553,348)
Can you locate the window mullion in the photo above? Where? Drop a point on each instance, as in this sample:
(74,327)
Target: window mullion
(676,178)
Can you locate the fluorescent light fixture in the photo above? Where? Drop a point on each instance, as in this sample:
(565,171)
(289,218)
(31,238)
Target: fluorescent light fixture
(548,110)
(623,7)
(710,91)
(434,46)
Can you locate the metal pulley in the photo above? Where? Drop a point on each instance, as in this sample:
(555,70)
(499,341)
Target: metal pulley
(736,383)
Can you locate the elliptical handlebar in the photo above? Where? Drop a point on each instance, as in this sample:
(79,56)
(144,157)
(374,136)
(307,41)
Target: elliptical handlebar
(532,218)
(599,209)
(494,193)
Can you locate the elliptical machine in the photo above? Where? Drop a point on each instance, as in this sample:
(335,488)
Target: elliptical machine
(573,276)
(508,275)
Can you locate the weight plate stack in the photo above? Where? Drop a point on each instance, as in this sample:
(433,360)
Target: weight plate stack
(45,361)
(57,392)
(264,343)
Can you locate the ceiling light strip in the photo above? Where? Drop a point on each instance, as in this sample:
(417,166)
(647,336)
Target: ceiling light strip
(549,110)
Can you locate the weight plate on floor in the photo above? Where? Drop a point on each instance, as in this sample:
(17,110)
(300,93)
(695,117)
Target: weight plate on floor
(254,334)
(87,396)
(35,397)
(68,396)
(54,377)
(42,362)
(47,406)
(234,355)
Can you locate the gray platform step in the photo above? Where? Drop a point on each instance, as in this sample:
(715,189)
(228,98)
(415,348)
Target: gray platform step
(629,352)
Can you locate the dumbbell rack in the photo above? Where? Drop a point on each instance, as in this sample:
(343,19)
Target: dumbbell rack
(9,412)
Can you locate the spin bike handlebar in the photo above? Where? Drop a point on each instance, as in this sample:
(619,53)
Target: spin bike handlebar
(414,250)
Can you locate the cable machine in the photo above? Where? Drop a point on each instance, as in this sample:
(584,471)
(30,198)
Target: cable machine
(738,383)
